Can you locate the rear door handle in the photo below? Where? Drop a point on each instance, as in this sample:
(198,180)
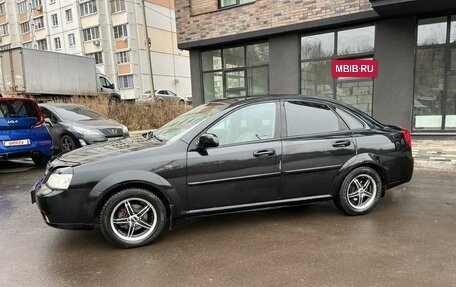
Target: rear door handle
(264,152)
(342,143)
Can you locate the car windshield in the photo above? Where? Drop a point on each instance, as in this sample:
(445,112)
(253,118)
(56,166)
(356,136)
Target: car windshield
(183,123)
(77,113)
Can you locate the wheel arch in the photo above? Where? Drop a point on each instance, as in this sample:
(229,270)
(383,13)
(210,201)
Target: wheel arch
(366,159)
(149,181)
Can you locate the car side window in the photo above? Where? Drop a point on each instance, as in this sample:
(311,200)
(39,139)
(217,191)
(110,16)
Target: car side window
(252,123)
(48,114)
(304,118)
(352,122)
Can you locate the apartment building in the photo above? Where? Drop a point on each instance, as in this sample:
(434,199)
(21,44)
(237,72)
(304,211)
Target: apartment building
(111,31)
(241,48)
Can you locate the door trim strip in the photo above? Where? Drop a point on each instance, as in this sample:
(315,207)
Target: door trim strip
(312,169)
(234,178)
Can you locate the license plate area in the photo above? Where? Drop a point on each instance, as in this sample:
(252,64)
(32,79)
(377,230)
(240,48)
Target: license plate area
(16,142)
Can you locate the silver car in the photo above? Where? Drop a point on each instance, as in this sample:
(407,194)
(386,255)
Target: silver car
(161,96)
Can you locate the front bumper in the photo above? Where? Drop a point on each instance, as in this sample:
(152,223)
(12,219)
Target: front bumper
(61,208)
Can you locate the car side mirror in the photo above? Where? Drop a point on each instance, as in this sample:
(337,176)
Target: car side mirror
(48,122)
(207,141)
(112,86)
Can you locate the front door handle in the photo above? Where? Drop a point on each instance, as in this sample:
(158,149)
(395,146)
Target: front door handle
(264,152)
(342,143)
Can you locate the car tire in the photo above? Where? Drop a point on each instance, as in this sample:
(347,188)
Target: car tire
(67,143)
(182,102)
(40,159)
(133,217)
(360,191)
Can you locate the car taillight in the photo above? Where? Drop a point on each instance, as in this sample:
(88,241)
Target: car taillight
(407,137)
(40,123)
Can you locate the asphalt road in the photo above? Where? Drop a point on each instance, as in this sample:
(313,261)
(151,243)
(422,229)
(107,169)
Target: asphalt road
(408,240)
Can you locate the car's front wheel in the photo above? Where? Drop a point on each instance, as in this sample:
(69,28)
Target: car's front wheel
(360,191)
(133,217)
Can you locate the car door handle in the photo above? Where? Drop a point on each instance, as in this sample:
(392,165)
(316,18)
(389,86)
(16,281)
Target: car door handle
(264,152)
(342,143)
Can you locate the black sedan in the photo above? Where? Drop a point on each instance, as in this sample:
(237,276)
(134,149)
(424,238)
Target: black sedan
(73,126)
(226,156)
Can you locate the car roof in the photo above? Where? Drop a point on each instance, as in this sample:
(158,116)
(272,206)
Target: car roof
(4,99)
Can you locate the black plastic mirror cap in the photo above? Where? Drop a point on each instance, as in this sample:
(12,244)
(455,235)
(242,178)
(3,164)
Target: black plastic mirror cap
(208,140)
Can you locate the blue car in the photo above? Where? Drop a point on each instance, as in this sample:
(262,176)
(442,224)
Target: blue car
(23,132)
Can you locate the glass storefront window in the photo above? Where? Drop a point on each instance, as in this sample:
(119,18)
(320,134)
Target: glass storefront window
(356,93)
(453,30)
(432,31)
(450,118)
(355,41)
(429,88)
(213,86)
(211,60)
(236,72)
(316,79)
(258,81)
(258,54)
(317,51)
(233,57)
(317,46)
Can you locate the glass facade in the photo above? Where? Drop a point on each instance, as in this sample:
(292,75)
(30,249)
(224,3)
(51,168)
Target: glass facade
(434,103)
(318,50)
(240,71)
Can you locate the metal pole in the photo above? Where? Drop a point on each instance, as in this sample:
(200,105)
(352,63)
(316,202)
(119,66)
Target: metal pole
(148,44)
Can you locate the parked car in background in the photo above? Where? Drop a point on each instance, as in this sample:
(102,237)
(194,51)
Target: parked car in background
(73,126)
(227,156)
(23,132)
(161,96)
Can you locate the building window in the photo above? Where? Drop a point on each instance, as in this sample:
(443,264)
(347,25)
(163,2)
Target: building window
(4,30)
(123,57)
(25,27)
(71,40)
(69,15)
(22,7)
(434,105)
(236,72)
(98,56)
(88,8)
(55,20)
(230,3)
(39,23)
(27,45)
(36,3)
(91,33)
(57,43)
(125,82)
(42,44)
(120,31)
(318,50)
(117,6)
(2,8)
(5,47)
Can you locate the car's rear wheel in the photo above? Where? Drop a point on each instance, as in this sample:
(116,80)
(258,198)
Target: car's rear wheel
(67,143)
(360,191)
(181,102)
(133,217)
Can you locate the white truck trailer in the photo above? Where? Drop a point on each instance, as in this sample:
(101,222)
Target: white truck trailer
(48,75)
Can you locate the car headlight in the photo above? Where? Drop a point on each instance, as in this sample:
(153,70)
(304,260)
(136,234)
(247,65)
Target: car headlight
(59,180)
(87,132)
(124,129)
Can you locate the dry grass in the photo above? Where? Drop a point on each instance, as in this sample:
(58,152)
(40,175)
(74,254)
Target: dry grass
(134,116)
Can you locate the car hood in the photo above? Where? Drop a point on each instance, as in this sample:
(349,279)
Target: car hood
(98,152)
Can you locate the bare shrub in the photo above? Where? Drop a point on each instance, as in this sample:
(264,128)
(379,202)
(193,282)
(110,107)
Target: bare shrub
(134,116)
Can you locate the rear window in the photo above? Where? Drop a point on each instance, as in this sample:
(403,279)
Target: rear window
(17,108)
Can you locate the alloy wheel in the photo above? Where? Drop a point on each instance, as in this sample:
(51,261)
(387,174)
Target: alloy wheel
(361,192)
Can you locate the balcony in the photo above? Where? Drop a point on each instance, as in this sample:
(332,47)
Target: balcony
(411,7)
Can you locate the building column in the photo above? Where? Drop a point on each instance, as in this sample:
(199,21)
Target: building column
(393,88)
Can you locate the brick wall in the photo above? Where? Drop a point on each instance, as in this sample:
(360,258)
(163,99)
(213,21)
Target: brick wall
(201,19)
